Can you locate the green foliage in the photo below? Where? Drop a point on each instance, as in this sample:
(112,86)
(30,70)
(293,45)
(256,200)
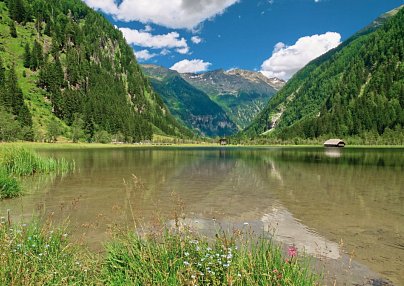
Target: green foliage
(77,129)
(25,162)
(9,186)
(13,30)
(37,57)
(40,254)
(183,258)
(15,116)
(10,129)
(348,92)
(37,254)
(18,10)
(53,131)
(81,65)
(102,137)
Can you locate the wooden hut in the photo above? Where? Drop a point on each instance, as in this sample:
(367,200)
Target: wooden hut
(334,143)
(223,141)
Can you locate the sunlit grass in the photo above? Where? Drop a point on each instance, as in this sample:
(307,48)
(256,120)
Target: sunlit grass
(23,161)
(38,254)
(16,162)
(184,258)
(9,186)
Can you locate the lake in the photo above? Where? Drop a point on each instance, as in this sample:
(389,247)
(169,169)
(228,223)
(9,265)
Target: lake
(330,202)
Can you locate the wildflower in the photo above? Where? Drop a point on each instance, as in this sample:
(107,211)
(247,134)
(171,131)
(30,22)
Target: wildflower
(193,276)
(292,251)
(186,263)
(186,253)
(238,275)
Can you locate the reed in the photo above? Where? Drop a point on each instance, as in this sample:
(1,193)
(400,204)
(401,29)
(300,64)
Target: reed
(16,162)
(21,161)
(9,186)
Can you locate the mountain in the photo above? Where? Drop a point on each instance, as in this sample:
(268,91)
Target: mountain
(242,94)
(355,90)
(64,65)
(189,104)
(235,96)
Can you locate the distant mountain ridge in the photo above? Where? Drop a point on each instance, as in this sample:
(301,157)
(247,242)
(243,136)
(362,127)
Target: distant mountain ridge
(189,104)
(356,89)
(240,94)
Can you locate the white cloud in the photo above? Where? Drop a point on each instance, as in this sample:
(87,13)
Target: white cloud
(196,40)
(171,40)
(144,55)
(184,50)
(108,6)
(176,14)
(287,60)
(165,52)
(147,28)
(191,66)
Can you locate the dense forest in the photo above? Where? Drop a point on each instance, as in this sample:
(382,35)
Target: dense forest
(353,91)
(75,62)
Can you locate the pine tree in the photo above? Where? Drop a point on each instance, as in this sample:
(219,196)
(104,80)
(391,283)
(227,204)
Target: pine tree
(37,58)
(14,101)
(27,56)
(13,30)
(2,73)
(17,10)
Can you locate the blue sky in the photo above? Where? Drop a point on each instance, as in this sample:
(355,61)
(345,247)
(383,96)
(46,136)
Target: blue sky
(277,37)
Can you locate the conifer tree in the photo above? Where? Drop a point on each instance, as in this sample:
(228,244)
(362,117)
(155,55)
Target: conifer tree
(27,56)
(36,56)
(13,30)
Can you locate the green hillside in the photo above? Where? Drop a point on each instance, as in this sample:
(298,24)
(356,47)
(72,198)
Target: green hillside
(189,104)
(75,72)
(354,91)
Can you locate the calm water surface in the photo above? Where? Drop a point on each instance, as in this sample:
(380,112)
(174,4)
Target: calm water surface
(327,201)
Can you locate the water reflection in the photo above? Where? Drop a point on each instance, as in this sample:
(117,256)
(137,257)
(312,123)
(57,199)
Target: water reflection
(316,197)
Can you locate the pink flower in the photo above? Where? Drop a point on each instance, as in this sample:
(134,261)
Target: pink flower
(292,251)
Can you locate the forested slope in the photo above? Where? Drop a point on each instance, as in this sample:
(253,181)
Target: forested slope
(356,89)
(72,68)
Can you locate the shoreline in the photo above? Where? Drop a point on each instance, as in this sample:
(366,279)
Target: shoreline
(70,145)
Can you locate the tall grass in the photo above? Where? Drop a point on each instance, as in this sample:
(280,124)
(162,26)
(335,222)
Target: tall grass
(175,258)
(9,186)
(37,254)
(20,161)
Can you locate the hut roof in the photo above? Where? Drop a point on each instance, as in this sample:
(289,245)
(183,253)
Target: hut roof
(334,142)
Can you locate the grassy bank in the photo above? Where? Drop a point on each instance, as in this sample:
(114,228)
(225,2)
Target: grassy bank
(37,254)
(16,162)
